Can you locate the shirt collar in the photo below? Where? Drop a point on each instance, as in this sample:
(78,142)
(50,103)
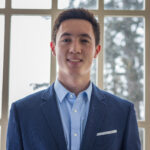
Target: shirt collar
(61,91)
(88,91)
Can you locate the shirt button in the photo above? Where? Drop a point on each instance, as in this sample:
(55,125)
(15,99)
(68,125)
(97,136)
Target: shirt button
(71,96)
(75,110)
(75,134)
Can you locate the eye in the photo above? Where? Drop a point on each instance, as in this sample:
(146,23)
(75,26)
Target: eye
(84,41)
(66,40)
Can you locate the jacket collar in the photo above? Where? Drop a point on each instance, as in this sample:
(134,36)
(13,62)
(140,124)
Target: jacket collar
(96,116)
(51,113)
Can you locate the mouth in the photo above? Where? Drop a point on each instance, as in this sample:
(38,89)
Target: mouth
(74,60)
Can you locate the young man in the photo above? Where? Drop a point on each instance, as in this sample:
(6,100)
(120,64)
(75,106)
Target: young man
(73,113)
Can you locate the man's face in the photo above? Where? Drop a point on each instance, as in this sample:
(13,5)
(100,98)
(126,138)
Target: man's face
(75,47)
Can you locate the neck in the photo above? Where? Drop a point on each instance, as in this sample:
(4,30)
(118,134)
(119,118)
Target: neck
(75,84)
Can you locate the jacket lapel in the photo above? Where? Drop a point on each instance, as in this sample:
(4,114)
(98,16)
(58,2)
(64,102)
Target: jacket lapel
(51,112)
(96,116)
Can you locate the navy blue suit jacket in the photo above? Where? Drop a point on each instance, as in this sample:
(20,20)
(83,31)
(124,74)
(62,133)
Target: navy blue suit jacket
(35,123)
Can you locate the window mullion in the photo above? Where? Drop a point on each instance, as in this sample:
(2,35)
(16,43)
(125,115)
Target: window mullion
(147,6)
(53,59)
(54,4)
(101,55)
(5,89)
(147,80)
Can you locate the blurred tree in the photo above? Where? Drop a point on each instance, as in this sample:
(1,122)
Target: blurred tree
(127,73)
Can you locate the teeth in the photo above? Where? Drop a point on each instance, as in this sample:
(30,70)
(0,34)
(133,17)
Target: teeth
(74,60)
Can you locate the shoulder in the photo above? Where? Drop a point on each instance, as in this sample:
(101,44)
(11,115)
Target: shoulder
(33,99)
(112,100)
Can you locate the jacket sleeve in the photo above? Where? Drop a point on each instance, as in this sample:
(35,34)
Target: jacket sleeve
(131,139)
(14,139)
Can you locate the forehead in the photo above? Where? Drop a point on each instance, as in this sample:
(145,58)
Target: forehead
(76,26)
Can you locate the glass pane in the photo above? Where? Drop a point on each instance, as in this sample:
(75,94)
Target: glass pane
(124,4)
(1,57)
(29,56)
(31,4)
(124,59)
(142,137)
(2,3)
(88,4)
(93,71)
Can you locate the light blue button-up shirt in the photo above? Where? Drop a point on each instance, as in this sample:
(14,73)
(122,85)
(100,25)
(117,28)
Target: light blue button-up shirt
(73,111)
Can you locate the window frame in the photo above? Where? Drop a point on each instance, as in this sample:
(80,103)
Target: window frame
(100,13)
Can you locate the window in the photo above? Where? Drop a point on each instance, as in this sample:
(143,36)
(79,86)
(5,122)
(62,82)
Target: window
(124,59)
(2,4)
(30,36)
(121,68)
(31,4)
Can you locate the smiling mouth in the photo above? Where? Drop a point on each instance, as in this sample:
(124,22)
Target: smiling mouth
(74,60)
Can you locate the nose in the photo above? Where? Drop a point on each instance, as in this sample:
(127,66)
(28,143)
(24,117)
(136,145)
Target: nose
(75,47)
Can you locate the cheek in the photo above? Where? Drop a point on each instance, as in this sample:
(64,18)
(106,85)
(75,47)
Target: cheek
(59,50)
(61,56)
(89,58)
(90,53)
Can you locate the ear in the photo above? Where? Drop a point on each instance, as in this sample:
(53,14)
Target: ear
(52,46)
(98,49)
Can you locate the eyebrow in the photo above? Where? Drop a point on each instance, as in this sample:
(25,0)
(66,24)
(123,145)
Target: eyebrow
(82,35)
(66,34)
(86,35)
